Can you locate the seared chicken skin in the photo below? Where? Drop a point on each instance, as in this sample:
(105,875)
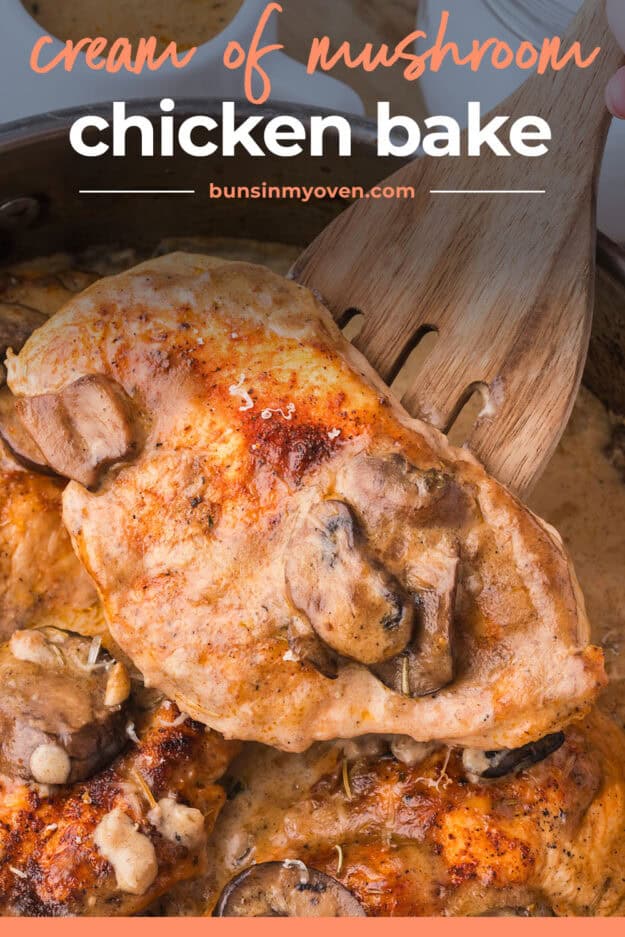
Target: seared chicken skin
(113,844)
(40,575)
(138,822)
(64,715)
(278,547)
(428,838)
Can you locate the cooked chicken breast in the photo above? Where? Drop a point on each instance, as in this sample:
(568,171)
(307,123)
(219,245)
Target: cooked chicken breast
(40,575)
(41,578)
(113,844)
(278,547)
(426,837)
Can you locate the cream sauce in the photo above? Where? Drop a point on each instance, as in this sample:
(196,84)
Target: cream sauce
(582,494)
(186,22)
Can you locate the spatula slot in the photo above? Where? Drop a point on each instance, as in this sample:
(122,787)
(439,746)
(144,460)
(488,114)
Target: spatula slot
(352,322)
(404,351)
(470,408)
(419,351)
(346,317)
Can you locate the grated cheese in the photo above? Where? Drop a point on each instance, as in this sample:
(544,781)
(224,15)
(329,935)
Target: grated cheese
(86,667)
(236,390)
(131,733)
(268,412)
(94,650)
(443,777)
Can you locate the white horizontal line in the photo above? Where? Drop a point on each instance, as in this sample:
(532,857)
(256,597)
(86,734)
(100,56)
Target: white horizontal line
(488,191)
(137,191)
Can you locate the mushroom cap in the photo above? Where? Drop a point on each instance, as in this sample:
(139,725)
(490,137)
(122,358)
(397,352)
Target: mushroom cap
(286,889)
(353,604)
(17,438)
(493,765)
(52,702)
(82,430)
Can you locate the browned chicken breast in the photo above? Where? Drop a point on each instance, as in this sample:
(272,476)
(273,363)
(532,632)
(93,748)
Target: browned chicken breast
(114,843)
(106,798)
(40,576)
(105,801)
(279,548)
(413,833)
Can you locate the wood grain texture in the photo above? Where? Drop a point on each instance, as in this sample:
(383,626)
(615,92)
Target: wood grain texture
(507,281)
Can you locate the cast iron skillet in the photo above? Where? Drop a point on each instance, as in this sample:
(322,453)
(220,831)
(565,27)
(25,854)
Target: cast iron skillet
(41,212)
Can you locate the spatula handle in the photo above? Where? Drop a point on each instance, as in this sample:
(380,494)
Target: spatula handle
(593,31)
(575,97)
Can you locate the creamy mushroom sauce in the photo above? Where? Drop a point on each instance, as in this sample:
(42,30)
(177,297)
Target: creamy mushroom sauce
(582,493)
(186,22)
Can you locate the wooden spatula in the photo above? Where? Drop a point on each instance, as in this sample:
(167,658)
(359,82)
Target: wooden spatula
(507,281)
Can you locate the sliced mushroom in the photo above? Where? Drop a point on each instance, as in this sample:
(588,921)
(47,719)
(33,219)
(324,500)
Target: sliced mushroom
(385,489)
(55,724)
(491,765)
(16,437)
(286,889)
(310,649)
(83,429)
(427,665)
(355,606)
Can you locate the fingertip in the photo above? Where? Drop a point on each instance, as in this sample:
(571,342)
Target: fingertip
(615,94)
